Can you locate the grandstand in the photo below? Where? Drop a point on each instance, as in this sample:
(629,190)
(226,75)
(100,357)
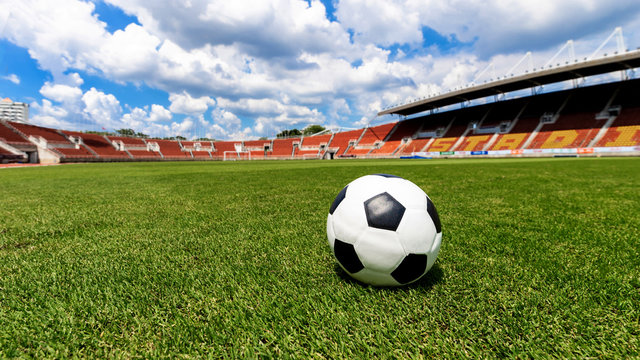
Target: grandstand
(601,119)
(342,142)
(226,150)
(100,146)
(595,120)
(283,148)
(313,146)
(258,148)
(169,149)
(199,150)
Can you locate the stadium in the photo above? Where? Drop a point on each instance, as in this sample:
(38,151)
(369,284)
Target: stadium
(150,247)
(594,120)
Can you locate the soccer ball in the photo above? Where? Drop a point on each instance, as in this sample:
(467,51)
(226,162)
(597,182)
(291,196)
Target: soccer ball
(384,230)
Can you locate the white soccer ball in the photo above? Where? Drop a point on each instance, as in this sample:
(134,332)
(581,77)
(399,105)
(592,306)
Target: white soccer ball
(384,230)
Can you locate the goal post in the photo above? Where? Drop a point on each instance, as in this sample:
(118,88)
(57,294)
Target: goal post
(236,155)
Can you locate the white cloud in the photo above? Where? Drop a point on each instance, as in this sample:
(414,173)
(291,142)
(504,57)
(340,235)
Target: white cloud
(57,34)
(495,26)
(61,93)
(273,28)
(183,128)
(47,114)
(127,54)
(13,78)
(225,118)
(276,62)
(142,116)
(184,103)
(95,110)
(339,109)
(159,113)
(102,108)
(381,21)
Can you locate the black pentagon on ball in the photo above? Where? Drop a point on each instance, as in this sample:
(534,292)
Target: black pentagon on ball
(388,176)
(410,269)
(347,256)
(338,200)
(431,209)
(383,212)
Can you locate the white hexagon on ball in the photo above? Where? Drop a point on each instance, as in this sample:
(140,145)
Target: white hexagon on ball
(384,230)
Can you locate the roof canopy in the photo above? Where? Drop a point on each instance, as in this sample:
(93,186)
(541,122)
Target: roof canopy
(550,75)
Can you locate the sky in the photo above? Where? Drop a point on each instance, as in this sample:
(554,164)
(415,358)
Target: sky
(245,69)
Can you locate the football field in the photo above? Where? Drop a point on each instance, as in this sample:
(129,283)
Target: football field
(539,258)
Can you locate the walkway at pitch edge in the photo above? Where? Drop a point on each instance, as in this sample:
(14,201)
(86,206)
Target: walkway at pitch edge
(8,166)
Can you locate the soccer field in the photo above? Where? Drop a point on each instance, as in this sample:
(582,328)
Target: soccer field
(540,258)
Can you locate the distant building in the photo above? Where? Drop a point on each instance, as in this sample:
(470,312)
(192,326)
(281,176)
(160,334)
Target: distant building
(14,111)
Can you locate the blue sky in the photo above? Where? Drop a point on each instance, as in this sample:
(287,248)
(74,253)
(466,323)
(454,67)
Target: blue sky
(246,69)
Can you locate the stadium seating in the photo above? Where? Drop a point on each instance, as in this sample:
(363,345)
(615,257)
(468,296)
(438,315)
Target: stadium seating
(622,136)
(315,141)
(375,134)
(220,147)
(100,145)
(199,149)
(144,154)
(138,148)
(55,141)
(446,143)
(50,135)
(307,153)
(569,131)
(129,142)
(624,131)
(406,128)
(75,154)
(506,111)
(474,143)
(415,146)
(257,148)
(283,148)
(7,156)
(517,136)
(387,149)
(312,146)
(170,149)
(370,137)
(201,155)
(12,136)
(358,152)
(197,145)
(341,141)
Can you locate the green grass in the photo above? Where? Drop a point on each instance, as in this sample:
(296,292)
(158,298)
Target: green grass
(540,258)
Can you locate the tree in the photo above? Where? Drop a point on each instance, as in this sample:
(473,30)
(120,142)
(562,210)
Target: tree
(126,132)
(180,137)
(289,133)
(98,132)
(313,129)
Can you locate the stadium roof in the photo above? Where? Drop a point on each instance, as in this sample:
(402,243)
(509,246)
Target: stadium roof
(549,75)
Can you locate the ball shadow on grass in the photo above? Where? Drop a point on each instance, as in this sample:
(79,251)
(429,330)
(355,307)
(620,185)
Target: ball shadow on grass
(432,277)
